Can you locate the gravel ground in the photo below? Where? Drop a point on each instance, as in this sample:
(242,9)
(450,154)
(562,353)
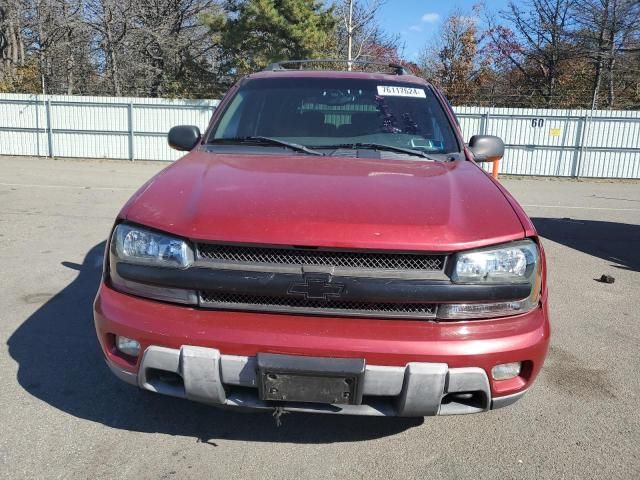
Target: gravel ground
(64,415)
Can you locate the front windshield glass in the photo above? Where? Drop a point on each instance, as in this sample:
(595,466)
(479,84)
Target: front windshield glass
(325,112)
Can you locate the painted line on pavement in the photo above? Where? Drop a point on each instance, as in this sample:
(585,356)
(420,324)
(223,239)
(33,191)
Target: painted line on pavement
(573,207)
(70,187)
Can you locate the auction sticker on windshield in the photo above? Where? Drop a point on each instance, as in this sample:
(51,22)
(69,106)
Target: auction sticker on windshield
(394,91)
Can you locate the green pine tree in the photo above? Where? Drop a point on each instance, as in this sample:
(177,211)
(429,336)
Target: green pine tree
(258,32)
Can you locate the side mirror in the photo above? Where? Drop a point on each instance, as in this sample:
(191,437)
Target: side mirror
(184,137)
(486,148)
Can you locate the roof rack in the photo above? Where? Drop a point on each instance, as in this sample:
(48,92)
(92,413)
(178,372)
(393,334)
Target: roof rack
(281,65)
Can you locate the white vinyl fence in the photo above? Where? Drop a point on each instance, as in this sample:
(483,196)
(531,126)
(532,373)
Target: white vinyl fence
(562,143)
(567,143)
(95,127)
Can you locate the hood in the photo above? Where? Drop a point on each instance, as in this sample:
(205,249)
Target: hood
(326,201)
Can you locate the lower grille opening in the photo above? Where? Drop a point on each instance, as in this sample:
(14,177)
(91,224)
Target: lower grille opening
(249,397)
(464,402)
(233,301)
(163,381)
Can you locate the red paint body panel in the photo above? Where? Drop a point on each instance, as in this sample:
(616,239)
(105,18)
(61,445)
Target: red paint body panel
(326,201)
(483,343)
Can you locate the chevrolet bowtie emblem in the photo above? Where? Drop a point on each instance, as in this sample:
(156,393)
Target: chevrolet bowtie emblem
(316,286)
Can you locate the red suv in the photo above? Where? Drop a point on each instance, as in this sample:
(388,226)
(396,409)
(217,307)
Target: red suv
(330,245)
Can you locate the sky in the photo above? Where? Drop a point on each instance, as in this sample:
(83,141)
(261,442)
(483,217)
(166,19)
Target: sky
(418,21)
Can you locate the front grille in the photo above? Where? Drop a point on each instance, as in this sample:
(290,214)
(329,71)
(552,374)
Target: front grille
(331,258)
(234,301)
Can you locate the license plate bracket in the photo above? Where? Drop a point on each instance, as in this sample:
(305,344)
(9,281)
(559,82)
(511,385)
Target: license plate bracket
(292,378)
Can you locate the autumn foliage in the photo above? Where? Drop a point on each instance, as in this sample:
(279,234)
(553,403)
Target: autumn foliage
(533,53)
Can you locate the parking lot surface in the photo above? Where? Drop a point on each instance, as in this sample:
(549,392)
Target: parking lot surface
(64,415)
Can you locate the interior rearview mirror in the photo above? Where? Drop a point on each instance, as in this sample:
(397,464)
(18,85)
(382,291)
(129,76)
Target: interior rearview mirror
(183,137)
(486,148)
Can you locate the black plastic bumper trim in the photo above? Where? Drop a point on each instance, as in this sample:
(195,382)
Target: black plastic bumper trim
(322,286)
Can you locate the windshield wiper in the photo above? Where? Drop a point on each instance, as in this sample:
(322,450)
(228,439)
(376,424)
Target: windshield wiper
(258,140)
(379,146)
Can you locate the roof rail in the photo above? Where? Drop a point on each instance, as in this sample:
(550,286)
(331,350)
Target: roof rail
(281,65)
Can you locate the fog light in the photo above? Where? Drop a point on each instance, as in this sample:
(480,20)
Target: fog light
(505,371)
(128,346)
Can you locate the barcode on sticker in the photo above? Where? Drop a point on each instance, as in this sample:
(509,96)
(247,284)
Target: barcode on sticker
(394,91)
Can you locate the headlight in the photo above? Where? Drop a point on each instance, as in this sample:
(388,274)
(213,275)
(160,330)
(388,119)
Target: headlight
(138,245)
(512,263)
(517,262)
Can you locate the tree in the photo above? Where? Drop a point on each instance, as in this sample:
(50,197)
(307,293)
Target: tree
(555,53)
(257,32)
(358,33)
(54,35)
(606,31)
(540,43)
(11,44)
(175,52)
(454,61)
(109,21)
(153,48)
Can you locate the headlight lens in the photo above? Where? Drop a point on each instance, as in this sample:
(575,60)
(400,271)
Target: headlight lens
(512,263)
(517,262)
(139,245)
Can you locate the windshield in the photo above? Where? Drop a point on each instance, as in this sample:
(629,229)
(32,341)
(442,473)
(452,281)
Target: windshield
(324,113)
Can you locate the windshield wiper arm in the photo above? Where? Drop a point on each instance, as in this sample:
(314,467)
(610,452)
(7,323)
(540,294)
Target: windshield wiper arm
(379,146)
(266,141)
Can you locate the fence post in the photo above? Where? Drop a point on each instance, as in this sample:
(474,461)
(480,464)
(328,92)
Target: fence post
(49,127)
(37,119)
(584,124)
(130,125)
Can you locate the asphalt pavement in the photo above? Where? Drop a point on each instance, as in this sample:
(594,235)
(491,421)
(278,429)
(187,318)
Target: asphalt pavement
(64,415)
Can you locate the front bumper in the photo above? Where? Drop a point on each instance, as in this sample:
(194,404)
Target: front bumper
(413,368)
(418,389)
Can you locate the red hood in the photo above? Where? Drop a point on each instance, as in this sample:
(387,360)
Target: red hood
(326,201)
